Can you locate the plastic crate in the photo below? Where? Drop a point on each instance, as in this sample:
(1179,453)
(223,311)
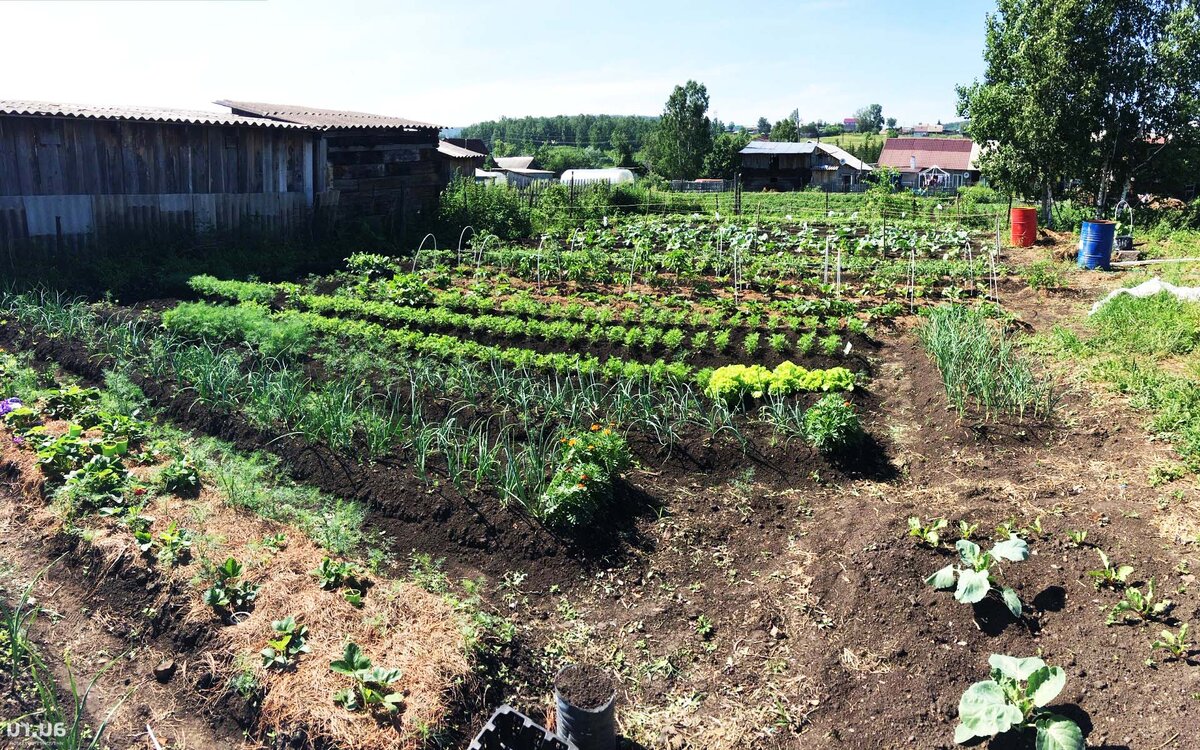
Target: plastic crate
(509,729)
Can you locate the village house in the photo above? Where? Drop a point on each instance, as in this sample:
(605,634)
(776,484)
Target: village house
(779,165)
(941,164)
(519,170)
(459,161)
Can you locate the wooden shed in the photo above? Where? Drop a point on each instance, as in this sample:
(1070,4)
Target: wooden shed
(72,174)
(384,169)
(459,161)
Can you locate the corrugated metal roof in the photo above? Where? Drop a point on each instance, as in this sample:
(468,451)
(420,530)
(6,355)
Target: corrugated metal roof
(514,162)
(326,119)
(457,152)
(805,147)
(780,147)
(947,153)
(143,114)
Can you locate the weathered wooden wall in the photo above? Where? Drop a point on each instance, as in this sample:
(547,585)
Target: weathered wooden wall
(72,181)
(67,156)
(390,175)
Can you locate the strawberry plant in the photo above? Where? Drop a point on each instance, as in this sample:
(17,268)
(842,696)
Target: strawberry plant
(334,574)
(288,644)
(974,577)
(369,689)
(1015,699)
(170,546)
(229,591)
(180,477)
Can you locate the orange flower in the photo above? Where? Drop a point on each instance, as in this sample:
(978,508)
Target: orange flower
(572,441)
(583,477)
(608,432)
(580,486)
(595,427)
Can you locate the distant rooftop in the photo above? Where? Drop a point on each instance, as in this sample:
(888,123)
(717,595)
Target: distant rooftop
(457,152)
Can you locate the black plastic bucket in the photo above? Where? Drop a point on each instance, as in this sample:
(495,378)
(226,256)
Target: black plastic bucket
(587,727)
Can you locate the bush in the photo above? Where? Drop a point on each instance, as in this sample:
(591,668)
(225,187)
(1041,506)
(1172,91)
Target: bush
(493,208)
(831,425)
(587,465)
(1045,274)
(248,322)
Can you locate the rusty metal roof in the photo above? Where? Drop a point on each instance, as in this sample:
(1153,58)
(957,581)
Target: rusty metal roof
(947,153)
(142,114)
(324,119)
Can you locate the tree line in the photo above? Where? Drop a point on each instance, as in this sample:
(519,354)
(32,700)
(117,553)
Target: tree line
(682,143)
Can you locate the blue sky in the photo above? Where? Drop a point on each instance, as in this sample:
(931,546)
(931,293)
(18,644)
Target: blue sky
(459,62)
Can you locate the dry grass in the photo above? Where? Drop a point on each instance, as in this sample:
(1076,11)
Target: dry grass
(399,625)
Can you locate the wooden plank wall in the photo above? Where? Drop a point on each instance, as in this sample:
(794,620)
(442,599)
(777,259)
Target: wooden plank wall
(67,156)
(391,176)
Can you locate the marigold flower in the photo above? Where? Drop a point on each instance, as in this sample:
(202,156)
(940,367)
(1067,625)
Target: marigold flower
(595,427)
(608,432)
(572,441)
(580,486)
(583,477)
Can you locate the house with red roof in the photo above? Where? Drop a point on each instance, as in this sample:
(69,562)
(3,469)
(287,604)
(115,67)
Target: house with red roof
(932,163)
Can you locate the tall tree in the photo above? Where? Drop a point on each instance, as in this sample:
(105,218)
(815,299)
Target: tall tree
(870,118)
(723,161)
(683,138)
(891,123)
(1083,89)
(787,129)
(764,126)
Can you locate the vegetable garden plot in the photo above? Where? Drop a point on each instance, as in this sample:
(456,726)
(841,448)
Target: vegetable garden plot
(740,535)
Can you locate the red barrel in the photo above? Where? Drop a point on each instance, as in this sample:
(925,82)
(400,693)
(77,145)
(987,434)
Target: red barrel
(1024,226)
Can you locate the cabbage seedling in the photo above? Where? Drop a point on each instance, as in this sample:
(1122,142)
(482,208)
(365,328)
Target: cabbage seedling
(1014,699)
(974,576)
(1110,575)
(1138,606)
(928,535)
(1175,644)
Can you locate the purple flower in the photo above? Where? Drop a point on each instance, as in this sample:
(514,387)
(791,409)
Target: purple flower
(8,405)
(18,440)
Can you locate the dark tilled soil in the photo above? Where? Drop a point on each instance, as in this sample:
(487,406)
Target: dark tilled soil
(585,686)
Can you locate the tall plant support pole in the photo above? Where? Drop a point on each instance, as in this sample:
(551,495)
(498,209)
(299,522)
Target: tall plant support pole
(912,280)
(839,271)
(825,279)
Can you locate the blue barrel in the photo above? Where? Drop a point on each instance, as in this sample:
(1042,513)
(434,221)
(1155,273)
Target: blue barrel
(1096,244)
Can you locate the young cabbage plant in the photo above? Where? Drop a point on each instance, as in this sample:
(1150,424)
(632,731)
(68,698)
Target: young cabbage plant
(1138,606)
(974,576)
(1015,698)
(928,535)
(1113,576)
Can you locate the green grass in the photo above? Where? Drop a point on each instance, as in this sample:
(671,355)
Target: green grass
(982,367)
(1159,325)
